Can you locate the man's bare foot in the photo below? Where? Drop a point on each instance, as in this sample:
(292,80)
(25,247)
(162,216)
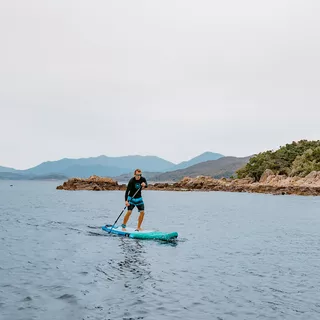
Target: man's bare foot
(124,229)
(138,229)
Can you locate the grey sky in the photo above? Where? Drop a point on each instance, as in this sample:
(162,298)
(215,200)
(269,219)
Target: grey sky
(167,78)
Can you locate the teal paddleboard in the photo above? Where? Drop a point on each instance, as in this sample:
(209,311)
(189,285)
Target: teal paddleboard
(144,234)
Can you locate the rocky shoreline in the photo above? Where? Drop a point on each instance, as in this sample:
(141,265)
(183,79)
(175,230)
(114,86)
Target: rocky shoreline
(269,184)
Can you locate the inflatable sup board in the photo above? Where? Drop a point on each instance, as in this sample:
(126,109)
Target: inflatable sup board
(144,234)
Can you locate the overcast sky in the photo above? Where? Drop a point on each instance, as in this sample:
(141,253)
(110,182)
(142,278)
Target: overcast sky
(167,78)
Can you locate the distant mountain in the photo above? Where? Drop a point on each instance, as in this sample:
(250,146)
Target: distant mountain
(120,168)
(102,166)
(206,156)
(48,177)
(128,176)
(98,170)
(222,167)
(19,176)
(5,169)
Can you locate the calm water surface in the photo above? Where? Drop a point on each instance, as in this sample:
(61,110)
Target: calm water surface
(238,256)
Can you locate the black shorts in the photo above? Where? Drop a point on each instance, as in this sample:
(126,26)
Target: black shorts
(136,202)
(139,206)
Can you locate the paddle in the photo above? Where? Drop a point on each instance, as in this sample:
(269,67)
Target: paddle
(122,211)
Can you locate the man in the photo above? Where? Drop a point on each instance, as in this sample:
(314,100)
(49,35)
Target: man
(133,198)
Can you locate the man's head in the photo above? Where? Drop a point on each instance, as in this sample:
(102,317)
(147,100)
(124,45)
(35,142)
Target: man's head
(137,174)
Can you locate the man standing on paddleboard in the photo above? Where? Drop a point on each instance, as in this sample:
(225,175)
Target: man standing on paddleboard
(134,188)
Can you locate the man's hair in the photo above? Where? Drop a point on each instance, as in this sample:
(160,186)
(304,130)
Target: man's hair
(137,170)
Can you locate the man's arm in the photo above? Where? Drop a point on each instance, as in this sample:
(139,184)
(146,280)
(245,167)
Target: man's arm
(145,181)
(127,190)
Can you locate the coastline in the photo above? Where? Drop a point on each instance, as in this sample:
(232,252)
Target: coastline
(268,184)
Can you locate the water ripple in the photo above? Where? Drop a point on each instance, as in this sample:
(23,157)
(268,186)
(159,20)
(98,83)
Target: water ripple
(238,256)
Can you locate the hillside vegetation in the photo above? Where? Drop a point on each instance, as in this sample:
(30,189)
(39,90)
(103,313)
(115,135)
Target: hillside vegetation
(295,159)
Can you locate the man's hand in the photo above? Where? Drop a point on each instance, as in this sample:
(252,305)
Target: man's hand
(127,204)
(143,184)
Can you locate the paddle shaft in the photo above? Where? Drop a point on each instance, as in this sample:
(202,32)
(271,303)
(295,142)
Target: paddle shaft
(122,211)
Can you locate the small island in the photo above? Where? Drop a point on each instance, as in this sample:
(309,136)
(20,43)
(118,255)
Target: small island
(269,183)
(293,169)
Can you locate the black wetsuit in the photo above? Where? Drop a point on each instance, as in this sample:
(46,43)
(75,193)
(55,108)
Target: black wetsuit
(132,188)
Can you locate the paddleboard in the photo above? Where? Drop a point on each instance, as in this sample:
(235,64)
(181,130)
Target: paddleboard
(144,234)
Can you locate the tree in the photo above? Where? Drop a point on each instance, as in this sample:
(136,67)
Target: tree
(309,161)
(297,158)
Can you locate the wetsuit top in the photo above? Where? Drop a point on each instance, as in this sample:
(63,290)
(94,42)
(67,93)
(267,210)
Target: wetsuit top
(133,186)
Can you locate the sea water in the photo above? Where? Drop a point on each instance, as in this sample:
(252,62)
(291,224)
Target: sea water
(238,256)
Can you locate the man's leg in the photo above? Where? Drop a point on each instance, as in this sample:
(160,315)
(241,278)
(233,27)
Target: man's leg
(140,219)
(141,216)
(126,217)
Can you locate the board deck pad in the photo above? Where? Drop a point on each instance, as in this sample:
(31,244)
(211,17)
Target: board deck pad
(144,234)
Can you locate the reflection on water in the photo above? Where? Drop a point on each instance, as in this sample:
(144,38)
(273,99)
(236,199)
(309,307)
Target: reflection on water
(134,266)
(127,274)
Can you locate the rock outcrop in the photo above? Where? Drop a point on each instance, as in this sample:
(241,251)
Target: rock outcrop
(265,175)
(93,183)
(269,183)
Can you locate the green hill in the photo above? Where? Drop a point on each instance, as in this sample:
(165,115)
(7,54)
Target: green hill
(295,159)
